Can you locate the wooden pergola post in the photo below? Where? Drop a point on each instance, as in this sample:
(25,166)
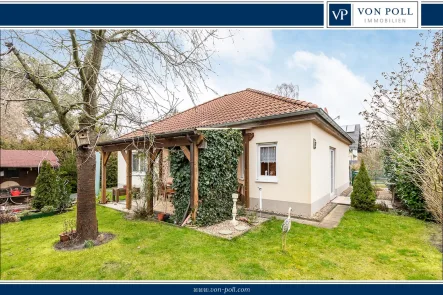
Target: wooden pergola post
(105,158)
(160,167)
(127,155)
(246,138)
(194,179)
(152,156)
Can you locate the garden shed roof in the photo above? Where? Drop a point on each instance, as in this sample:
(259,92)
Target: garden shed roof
(27,158)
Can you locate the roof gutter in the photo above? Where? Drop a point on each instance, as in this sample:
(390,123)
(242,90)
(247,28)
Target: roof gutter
(318,111)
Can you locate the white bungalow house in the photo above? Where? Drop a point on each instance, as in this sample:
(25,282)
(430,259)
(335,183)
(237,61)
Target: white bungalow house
(295,155)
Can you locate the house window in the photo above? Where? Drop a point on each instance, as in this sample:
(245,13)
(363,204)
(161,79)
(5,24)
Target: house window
(242,166)
(267,162)
(139,162)
(12,173)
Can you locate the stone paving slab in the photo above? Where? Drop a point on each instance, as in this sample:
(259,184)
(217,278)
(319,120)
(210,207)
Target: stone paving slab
(333,219)
(342,200)
(347,201)
(227,230)
(159,206)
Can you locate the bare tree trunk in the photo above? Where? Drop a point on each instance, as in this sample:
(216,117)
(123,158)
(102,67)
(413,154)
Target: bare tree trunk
(87,227)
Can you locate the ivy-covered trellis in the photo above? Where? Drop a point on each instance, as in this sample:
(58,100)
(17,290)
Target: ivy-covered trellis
(217,176)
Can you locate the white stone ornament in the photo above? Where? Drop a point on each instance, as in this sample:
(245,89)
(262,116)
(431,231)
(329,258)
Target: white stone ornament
(234,209)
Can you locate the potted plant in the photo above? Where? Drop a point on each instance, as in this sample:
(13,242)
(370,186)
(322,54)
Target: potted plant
(68,231)
(160,216)
(72,231)
(64,236)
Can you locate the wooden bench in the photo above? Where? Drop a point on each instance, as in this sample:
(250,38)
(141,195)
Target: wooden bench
(117,192)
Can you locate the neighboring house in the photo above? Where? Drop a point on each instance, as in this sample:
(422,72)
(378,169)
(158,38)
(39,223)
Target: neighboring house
(355,148)
(293,151)
(20,167)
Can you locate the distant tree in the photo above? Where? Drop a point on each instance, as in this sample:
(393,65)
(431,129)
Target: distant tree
(23,100)
(363,196)
(373,158)
(287,90)
(12,114)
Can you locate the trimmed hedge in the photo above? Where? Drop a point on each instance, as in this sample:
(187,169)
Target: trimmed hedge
(217,177)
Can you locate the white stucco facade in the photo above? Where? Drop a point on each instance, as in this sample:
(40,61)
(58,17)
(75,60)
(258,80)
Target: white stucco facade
(138,176)
(303,179)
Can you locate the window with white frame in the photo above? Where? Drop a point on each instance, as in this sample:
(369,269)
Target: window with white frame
(267,162)
(242,166)
(139,162)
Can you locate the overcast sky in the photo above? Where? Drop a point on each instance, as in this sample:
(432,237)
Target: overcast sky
(334,69)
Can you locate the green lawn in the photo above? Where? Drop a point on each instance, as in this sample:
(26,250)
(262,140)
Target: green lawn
(366,246)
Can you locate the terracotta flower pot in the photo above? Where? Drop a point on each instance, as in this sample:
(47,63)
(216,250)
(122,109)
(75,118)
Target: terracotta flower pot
(160,216)
(64,237)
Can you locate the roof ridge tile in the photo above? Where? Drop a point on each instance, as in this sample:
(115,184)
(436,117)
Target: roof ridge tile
(287,99)
(232,107)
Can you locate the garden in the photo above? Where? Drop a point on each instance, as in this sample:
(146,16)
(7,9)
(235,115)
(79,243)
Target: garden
(365,246)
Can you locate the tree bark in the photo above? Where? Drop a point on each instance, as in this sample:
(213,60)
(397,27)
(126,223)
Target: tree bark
(87,225)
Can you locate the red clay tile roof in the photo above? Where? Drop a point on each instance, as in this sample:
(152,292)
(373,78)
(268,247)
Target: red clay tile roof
(26,158)
(234,107)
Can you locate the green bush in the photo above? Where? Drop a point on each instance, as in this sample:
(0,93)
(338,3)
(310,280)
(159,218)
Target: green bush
(51,189)
(68,169)
(112,171)
(411,197)
(47,209)
(44,187)
(406,191)
(217,177)
(363,196)
(88,244)
(62,192)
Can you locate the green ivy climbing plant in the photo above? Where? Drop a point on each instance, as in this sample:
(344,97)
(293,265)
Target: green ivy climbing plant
(217,177)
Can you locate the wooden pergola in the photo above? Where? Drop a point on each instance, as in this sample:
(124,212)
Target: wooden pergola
(189,142)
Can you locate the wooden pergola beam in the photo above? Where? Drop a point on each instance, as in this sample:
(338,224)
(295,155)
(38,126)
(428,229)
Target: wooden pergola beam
(186,152)
(127,155)
(135,145)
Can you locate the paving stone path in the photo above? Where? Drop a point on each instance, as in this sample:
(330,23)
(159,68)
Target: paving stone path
(334,217)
